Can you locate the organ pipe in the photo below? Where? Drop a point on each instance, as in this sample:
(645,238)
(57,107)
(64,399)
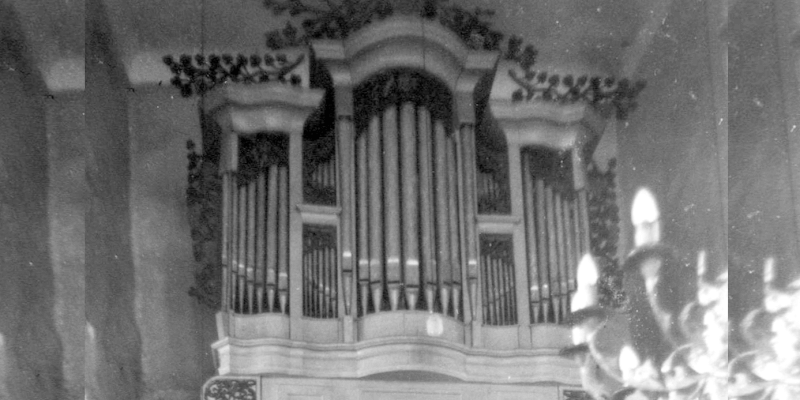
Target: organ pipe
(346,158)
(251,241)
(455,263)
(544,271)
(410,204)
(583,209)
(283,238)
(234,247)
(530,229)
(552,263)
(576,230)
(426,206)
(470,205)
(442,225)
(272,234)
(240,253)
(571,253)
(375,213)
(562,262)
(392,204)
(260,250)
(363,223)
(226,226)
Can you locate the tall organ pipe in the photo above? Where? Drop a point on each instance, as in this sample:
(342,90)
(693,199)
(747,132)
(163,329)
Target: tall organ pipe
(251,241)
(553,253)
(569,255)
(240,256)
(392,204)
(375,213)
(272,234)
(426,206)
(562,254)
(261,205)
(544,270)
(363,223)
(452,188)
(283,238)
(530,229)
(470,205)
(410,204)
(575,240)
(442,226)
(226,236)
(234,247)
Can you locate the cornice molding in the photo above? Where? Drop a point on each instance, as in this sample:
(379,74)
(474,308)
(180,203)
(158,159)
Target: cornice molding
(279,356)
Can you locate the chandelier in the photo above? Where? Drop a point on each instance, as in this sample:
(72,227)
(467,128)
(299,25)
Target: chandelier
(673,347)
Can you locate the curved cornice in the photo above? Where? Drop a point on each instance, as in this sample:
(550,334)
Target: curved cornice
(254,108)
(557,126)
(402,42)
(286,357)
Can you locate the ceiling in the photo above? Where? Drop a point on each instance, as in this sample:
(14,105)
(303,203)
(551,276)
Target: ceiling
(596,35)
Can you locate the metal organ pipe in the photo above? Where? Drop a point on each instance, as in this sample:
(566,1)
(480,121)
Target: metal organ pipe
(410,204)
(571,255)
(363,222)
(562,262)
(283,238)
(260,243)
(226,226)
(552,252)
(272,234)
(242,237)
(375,213)
(442,226)
(392,204)
(251,241)
(453,219)
(426,206)
(530,229)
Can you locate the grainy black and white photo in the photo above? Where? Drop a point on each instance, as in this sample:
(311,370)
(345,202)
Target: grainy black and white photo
(400,199)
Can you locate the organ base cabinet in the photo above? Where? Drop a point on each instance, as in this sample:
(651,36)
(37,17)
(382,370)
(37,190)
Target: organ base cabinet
(394,225)
(389,386)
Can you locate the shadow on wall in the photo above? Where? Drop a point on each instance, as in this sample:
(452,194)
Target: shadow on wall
(114,370)
(30,350)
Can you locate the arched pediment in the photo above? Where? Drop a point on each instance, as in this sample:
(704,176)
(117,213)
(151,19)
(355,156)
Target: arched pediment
(404,42)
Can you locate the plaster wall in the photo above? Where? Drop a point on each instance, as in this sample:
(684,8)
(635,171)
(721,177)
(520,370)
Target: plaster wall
(670,144)
(67,196)
(176,330)
(764,147)
(148,338)
(113,340)
(31,348)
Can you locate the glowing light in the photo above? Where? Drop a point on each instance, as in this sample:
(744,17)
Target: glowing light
(587,271)
(644,209)
(645,218)
(628,361)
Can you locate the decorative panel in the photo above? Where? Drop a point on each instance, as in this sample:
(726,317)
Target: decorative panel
(320,273)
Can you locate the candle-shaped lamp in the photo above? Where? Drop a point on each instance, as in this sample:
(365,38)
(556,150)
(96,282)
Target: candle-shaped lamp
(629,361)
(585,295)
(645,218)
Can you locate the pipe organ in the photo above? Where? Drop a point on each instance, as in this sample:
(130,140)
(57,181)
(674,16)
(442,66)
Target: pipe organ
(554,235)
(255,227)
(395,210)
(408,246)
(409,226)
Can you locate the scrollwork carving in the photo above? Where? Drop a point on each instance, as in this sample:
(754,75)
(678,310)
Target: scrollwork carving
(606,94)
(199,74)
(231,389)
